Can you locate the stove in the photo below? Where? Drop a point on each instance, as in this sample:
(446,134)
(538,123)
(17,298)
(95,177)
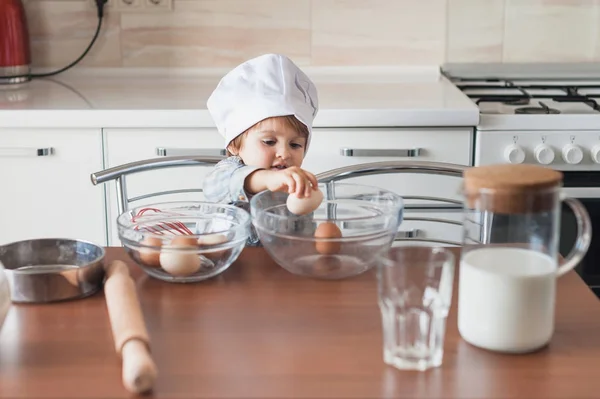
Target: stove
(533,116)
(547,115)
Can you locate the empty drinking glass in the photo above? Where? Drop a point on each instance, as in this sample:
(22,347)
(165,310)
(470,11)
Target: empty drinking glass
(415,291)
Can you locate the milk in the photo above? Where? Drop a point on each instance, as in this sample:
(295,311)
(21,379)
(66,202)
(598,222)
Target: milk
(506,298)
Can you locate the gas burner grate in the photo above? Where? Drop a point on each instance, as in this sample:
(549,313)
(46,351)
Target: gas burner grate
(518,101)
(505,99)
(578,98)
(542,109)
(571,94)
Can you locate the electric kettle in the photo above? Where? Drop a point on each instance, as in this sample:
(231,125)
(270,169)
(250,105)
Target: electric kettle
(15,56)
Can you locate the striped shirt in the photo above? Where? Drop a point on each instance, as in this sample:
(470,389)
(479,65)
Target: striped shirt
(225,185)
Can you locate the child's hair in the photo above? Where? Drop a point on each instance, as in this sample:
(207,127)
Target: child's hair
(290,120)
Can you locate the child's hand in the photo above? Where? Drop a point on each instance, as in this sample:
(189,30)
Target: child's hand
(293,180)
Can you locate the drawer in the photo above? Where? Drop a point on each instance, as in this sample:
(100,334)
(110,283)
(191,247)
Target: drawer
(335,148)
(430,229)
(129,145)
(45,178)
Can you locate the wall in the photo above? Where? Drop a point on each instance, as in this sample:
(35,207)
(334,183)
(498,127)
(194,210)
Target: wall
(198,33)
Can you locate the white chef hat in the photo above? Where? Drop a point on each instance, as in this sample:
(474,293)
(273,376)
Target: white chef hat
(266,86)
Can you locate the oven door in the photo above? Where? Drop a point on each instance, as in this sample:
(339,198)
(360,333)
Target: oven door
(585,186)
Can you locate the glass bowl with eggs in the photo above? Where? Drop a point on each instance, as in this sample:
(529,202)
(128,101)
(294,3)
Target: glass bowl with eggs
(336,234)
(184,242)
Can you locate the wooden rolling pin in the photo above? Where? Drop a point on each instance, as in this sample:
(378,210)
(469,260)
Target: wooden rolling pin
(132,342)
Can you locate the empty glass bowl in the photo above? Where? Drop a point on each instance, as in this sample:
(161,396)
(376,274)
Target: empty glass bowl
(184,242)
(340,239)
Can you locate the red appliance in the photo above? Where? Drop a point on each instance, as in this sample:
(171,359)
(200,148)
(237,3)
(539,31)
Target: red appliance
(15,56)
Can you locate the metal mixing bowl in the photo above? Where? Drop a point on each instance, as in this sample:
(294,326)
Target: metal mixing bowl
(368,218)
(52,269)
(148,237)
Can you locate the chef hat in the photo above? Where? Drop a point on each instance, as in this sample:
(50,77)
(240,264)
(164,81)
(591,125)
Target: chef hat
(266,86)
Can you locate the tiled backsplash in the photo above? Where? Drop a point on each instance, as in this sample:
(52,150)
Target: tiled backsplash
(217,33)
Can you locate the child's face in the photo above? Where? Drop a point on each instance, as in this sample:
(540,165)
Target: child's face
(272,144)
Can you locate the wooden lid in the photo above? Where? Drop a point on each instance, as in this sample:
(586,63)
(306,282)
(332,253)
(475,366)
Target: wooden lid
(509,188)
(511,177)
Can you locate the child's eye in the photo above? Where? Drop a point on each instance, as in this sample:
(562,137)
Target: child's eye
(295,145)
(269,142)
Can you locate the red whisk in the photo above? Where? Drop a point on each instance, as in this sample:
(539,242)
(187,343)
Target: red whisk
(162,228)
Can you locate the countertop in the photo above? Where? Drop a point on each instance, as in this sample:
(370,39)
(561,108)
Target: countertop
(257,331)
(157,98)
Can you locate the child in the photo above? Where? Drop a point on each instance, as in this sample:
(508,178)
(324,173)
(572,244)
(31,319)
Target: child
(264,108)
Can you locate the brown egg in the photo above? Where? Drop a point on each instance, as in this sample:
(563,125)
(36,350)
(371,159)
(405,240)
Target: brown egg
(328,230)
(180,263)
(183,241)
(213,239)
(150,257)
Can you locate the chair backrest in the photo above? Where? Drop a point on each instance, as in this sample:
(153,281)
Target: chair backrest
(120,173)
(416,167)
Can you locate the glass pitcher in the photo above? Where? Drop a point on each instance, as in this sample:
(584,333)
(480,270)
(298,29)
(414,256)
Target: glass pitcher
(510,259)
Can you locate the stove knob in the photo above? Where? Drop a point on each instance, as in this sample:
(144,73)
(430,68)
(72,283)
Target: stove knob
(572,154)
(544,154)
(514,154)
(596,153)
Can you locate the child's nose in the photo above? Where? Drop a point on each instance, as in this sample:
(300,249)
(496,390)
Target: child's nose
(283,152)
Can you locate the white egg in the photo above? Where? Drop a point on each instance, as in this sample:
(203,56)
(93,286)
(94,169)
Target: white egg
(178,263)
(302,206)
(212,239)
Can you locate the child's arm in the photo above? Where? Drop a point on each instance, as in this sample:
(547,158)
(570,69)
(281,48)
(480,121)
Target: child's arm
(225,183)
(291,180)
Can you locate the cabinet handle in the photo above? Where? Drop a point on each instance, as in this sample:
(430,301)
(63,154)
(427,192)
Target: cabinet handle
(359,152)
(171,152)
(26,152)
(414,233)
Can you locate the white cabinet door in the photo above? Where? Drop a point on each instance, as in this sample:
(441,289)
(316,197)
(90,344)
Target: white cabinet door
(334,148)
(129,145)
(46,187)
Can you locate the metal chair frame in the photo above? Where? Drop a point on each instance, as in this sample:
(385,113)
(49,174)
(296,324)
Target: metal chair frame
(120,173)
(408,167)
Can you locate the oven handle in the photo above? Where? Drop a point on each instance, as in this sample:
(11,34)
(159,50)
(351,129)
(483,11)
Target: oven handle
(582,192)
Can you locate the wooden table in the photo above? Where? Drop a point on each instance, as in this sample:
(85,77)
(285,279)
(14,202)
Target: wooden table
(258,331)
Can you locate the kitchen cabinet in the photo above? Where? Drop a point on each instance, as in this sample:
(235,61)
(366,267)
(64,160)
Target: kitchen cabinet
(46,189)
(128,145)
(330,148)
(335,148)
(48,193)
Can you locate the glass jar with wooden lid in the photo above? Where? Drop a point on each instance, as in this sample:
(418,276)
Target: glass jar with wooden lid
(510,259)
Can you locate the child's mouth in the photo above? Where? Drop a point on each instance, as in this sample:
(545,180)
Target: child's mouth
(279,167)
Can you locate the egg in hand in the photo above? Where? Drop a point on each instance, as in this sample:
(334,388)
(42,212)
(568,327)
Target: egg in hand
(305,205)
